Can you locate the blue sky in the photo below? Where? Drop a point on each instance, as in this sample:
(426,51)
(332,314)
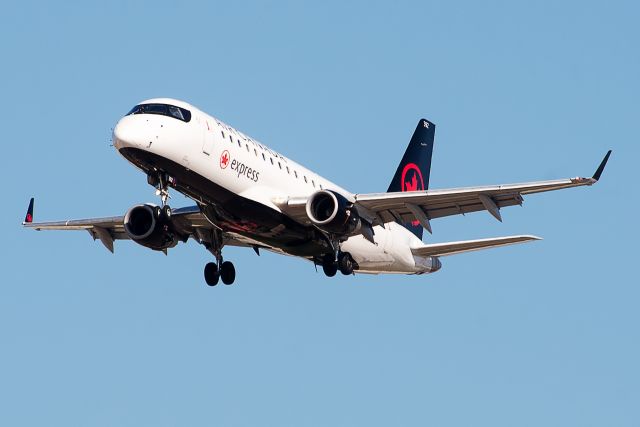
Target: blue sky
(539,334)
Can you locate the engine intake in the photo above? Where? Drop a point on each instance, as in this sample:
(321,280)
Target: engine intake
(333,213)
(144,225)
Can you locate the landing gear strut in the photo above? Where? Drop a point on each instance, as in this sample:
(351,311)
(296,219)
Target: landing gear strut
(160,181)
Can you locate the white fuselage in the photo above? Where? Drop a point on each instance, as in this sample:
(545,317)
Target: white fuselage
(230,159)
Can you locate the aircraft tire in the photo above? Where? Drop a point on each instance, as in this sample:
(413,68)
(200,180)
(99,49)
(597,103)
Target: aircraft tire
(211,274)
(166,213)
(329,266)
(227,273)
(345,264)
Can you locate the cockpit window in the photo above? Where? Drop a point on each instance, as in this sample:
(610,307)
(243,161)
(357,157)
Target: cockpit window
(162,109)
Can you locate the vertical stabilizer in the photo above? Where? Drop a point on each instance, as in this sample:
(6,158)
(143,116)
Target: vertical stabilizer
(415,167)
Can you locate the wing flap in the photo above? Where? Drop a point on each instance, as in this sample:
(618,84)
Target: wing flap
(453,248)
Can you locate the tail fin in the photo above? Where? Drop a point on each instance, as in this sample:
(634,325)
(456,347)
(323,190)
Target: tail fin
(29,216)
(415,167)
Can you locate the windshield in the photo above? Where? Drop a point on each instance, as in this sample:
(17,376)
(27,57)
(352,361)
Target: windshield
(162,109)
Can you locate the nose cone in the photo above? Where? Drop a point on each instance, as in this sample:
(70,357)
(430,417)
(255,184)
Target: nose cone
(128,134)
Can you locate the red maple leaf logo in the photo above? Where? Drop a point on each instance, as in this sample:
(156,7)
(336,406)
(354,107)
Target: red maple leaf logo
(413,185)
(224,159)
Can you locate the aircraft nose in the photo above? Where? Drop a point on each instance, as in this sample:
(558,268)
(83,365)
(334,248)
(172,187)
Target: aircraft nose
(126,134)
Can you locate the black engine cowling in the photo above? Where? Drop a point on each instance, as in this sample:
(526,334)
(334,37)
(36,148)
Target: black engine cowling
(145,225)
(333,213)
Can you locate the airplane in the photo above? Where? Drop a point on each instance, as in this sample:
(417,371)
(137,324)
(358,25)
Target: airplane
(249,195)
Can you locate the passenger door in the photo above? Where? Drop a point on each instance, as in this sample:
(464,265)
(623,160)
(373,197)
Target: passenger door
(208,142)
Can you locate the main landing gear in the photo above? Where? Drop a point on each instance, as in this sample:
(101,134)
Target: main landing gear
(343,262)
(214,271)
(226,272)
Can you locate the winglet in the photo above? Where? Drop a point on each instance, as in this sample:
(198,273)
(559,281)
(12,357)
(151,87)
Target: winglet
(596,176)
(29,217)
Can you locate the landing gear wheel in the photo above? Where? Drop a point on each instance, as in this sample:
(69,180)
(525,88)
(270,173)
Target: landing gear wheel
(166,212)
(329,266)
(345,264)
(227,273)
(330,269)
(211,274)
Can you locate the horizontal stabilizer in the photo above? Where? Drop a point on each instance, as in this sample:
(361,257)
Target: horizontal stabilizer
(452,248)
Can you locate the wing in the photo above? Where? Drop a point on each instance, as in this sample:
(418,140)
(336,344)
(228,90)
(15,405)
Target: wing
(425,205)
(187,221)
(452,248)
(422,206)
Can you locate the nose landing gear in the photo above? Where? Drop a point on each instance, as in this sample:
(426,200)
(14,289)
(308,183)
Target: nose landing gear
(160,180)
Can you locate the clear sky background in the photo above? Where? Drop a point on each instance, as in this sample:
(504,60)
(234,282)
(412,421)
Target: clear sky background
(538,334)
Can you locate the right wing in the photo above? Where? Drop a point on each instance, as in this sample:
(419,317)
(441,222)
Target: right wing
(187,221)
(452,248)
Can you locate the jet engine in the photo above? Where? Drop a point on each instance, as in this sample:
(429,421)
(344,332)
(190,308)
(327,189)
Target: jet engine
(146,225)
(333,213)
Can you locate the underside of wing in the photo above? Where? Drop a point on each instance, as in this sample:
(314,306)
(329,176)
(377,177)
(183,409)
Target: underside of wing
(187,222)
(452,248)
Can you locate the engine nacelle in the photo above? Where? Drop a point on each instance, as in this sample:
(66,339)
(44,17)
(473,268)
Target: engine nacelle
(333,213)
(144,225)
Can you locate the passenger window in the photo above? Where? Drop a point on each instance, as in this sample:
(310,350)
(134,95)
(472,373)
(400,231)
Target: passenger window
(247,147)
(305,179)
(295,173)
(263,157)
(279,165)
(222,132)
(271,158)
(256,152)
(288,169)
(313,183)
